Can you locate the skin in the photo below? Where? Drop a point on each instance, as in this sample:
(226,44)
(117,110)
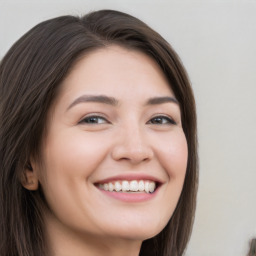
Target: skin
(125,138)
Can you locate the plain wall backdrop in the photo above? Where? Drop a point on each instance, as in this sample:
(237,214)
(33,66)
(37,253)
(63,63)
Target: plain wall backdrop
(217,42)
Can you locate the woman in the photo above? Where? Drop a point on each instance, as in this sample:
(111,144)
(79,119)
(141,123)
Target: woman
(98,141)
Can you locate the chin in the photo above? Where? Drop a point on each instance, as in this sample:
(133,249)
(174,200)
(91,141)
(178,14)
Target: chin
(140,235)
(136,232)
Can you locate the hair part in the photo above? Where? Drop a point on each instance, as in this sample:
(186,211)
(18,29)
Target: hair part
(30,77)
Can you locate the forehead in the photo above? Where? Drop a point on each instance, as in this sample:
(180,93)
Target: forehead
(116,71)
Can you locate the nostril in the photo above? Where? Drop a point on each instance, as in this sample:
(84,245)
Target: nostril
(133,154)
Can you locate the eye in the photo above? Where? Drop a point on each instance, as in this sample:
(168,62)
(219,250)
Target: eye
(161,120)
(94,120)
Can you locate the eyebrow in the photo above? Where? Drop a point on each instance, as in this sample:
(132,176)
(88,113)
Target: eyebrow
(94,98)
(114,102)
(161,100)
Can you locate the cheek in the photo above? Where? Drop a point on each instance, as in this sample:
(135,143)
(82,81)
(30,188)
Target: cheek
(69,161)
(174,155)
(73,155)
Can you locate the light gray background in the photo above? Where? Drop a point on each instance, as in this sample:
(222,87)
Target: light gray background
(217,42)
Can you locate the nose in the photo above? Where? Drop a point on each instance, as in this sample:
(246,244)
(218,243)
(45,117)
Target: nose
(132,145)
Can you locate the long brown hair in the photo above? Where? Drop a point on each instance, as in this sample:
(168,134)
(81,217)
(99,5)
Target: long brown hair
(30,76)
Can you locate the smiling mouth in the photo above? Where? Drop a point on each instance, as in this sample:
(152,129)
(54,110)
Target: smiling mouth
(132,186)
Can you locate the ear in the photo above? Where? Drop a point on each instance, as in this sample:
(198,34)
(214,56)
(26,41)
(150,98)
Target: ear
(29,179)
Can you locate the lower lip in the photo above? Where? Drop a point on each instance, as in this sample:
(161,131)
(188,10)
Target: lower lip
(130,197)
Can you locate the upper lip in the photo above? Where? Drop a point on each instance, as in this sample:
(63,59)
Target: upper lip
(129,177)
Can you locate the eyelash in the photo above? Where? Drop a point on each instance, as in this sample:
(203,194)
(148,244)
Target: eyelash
(168,120)
(91,120)
(160,120)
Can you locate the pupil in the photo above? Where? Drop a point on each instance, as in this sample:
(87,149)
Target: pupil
(92,120)
(158,120)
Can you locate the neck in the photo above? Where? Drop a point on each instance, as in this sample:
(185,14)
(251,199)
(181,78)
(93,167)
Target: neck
(62,242)
(110,247)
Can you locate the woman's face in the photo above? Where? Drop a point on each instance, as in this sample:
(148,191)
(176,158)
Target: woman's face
(115,155)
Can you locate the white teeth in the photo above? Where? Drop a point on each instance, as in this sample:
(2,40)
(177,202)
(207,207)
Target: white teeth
(134,186)
(105,186)
(152,187)
(146,184)
(126,186)
(141,185)
(110,186)
(118,186)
